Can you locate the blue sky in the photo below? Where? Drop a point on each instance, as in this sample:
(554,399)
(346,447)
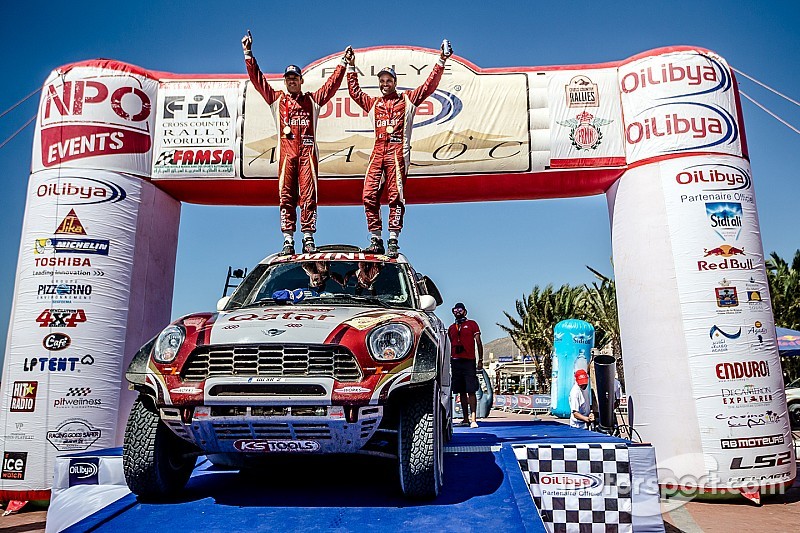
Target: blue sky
(484,254)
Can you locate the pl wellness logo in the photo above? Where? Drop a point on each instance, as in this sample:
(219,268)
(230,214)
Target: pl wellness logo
(93,116)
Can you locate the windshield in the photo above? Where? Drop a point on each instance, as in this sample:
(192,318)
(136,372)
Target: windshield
(345,282)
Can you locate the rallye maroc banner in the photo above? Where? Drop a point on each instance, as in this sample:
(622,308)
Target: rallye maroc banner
(99,116)
(472,123)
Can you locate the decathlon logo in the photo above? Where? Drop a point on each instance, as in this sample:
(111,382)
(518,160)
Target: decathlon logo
(281,446)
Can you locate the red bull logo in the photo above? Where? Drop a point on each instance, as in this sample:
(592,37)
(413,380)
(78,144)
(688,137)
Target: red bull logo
(724,250)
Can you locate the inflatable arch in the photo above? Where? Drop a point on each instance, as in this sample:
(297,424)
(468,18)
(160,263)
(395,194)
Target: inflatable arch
(118,147)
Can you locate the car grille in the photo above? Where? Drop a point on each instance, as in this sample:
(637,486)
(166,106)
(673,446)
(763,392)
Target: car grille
(314,360)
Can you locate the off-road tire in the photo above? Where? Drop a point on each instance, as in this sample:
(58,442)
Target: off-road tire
(420,447)
(156,462)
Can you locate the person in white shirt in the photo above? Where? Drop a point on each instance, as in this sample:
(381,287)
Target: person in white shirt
(579,401)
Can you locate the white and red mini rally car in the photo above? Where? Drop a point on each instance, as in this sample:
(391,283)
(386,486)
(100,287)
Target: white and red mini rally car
(333,352)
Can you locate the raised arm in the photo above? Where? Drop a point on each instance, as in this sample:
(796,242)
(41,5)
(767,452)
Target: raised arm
(256,77)
(418,95)
(322,95)
(363,100)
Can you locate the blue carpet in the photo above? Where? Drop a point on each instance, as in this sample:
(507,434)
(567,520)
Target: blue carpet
(483,491)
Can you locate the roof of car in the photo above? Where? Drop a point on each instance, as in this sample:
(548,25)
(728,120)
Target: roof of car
(334,252)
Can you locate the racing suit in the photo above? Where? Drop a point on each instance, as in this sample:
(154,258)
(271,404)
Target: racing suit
(297,152)
(391,154)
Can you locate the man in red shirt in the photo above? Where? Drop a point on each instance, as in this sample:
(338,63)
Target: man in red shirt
(465,336)
(296,116)
(393,116)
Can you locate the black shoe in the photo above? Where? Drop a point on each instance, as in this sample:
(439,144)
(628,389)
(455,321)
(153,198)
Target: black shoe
(288,248)
(308,245)
(393,247)
(375,246)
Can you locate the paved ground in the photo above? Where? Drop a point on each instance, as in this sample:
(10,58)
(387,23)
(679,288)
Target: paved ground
(776,514)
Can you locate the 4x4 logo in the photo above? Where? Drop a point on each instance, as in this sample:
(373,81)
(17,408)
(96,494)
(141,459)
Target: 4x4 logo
(61,318)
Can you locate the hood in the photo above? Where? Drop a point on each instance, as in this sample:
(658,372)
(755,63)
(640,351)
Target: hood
(296,324)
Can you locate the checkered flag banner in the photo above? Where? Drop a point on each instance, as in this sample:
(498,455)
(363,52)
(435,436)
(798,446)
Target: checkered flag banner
(79,391)
(579,487)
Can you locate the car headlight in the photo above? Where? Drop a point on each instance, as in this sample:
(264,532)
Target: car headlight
(390,342)
(168,343)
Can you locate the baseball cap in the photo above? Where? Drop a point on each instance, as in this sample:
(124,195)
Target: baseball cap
(388,70)
(292,69)
(459,305)
(581,377)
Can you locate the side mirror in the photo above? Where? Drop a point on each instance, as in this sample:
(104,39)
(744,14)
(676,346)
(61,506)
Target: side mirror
(427,302)
(222,302)
(432,289)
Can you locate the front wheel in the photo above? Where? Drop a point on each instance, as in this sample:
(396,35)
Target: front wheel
(421,453)
(157,463)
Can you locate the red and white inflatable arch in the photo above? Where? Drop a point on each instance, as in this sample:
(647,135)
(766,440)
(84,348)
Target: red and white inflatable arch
(117,148)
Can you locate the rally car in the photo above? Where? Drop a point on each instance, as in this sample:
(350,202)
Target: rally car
(337,351)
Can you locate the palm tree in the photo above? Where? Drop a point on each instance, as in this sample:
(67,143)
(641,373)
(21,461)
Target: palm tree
(784,288)
(601,311)
(537,315)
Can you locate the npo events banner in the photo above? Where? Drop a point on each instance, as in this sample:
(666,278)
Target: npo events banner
(473,123)
(95,117)
(735,372)
(61,376)
(679,103)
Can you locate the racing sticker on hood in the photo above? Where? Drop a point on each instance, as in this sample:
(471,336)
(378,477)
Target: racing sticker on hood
(311,325)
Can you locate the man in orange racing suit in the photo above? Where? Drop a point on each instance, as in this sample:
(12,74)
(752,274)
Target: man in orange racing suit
(295,115)
(393,116)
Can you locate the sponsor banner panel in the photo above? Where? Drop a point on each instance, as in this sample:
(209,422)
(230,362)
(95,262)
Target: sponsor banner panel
(92,117)
(473,123)
(732,351)
(586,485)
(586,126)
(68,328)
(677,103)
(196,129)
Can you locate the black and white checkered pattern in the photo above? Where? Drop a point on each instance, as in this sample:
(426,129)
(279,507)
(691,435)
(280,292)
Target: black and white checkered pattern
(79,391)
(604,508)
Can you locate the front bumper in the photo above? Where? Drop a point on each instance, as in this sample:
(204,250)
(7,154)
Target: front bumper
(256,430)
